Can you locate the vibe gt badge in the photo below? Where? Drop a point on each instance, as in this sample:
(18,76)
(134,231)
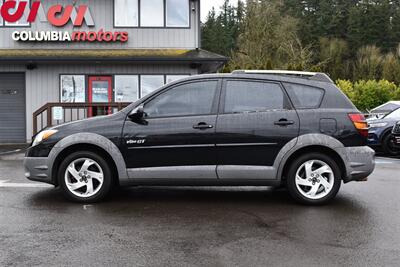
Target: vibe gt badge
(135,142)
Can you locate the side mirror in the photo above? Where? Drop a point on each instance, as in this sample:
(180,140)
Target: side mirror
(137,115)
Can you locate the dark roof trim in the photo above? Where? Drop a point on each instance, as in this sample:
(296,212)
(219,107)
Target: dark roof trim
(130,55)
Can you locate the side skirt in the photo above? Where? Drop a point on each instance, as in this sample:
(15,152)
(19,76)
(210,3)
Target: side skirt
(200,182)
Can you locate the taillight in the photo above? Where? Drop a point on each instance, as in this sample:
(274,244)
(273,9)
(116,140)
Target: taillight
(360,123)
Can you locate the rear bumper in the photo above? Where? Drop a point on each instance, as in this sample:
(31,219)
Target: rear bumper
(359,162)
(38,170)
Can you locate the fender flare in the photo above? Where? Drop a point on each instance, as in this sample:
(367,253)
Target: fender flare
(305,141)
(96,140)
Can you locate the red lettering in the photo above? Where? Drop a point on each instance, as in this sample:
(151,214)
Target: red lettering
(5,11)
(79,36)
(55,11)
(100,35)
(116,35)
(81,15)
(108,36)
(34,11)
(124,37)
(91,36)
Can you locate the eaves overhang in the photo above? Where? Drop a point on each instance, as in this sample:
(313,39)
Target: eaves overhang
(110,55)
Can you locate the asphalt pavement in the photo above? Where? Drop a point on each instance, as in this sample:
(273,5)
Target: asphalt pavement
(200,226)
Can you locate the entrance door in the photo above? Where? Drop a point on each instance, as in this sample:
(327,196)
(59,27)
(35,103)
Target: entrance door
(12,108)
(100,91)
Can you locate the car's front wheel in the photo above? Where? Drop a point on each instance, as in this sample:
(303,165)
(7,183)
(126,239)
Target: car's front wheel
(85,177)
(313,179)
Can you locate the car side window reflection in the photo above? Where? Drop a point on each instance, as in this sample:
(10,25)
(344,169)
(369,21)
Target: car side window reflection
(253,96)
(188,99)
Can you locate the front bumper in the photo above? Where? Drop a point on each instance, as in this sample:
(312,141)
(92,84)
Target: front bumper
(359,162)
(374,137)
(38,170)
(396,140)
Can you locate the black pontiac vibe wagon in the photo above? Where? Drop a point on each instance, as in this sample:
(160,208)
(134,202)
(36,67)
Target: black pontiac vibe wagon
(248,128)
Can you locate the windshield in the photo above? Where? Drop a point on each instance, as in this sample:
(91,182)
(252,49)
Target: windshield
(395,114)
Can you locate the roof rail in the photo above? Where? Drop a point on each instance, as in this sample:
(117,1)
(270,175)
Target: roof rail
(316,76)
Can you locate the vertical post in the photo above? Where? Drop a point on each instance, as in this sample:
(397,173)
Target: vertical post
(49,116)
(34,124)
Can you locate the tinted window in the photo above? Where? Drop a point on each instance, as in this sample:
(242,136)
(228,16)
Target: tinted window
(183,100)
(249,96)
(304,96)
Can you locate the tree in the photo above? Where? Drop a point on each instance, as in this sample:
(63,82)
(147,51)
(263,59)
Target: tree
(391,67)
(368,64)
(333,57)
(269,39)
(220,32)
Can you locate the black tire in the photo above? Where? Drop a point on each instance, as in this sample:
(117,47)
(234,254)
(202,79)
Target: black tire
(291,179)
(388,147)
(107,177)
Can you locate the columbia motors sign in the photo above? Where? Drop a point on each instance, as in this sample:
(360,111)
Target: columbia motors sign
(20,13)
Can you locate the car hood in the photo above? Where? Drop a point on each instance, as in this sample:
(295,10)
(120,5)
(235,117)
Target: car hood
(389,121)
(98,124)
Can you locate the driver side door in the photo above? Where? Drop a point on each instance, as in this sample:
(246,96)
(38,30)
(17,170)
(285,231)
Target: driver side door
(177,138)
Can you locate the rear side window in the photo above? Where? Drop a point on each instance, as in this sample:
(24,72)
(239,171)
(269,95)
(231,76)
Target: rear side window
(188,99)
(304,96)
(253,96)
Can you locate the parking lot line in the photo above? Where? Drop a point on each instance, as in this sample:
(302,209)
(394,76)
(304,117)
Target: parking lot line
(6,184)
(382,160)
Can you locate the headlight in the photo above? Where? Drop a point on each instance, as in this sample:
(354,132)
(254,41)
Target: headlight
(378,124)
(44,135)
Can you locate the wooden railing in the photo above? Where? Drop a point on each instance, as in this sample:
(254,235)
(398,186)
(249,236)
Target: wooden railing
(43,117)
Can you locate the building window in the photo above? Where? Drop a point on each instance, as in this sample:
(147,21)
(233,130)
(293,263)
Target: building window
(73,88)
(177,13)
(23,21)
(172,78)
(126,88)
(150,83)
(126,13)
(152,13)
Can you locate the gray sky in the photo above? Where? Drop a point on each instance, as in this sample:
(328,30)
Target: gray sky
(206,5)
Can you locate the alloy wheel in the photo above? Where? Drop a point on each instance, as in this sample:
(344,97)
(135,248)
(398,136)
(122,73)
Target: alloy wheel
(84,177)
(314,179)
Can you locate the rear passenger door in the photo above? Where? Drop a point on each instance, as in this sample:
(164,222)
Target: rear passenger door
(255,121)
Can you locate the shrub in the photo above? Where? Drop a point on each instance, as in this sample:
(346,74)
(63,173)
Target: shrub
(347,87)
(367,95)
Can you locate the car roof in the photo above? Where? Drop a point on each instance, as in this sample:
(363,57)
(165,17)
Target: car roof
(317,80)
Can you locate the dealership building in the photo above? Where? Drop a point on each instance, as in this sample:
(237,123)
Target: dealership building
(67,60)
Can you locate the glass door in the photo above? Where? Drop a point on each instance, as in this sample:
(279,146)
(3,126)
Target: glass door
(100,91)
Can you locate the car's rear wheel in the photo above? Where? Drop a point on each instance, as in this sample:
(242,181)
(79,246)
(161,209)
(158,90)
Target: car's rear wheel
(313,179)
(85,177)
(388,146)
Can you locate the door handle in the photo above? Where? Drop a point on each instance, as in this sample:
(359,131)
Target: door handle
(284,122)
(202,126)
